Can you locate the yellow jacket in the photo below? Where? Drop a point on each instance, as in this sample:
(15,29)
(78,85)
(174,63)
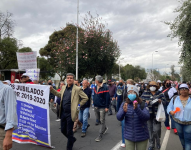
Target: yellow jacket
(77,95)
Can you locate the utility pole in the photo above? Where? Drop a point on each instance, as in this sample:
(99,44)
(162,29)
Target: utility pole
(77,41)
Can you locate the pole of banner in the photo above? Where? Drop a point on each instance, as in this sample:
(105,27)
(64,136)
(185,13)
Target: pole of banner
(77,41)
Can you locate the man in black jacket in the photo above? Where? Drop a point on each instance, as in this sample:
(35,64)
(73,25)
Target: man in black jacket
(84,110)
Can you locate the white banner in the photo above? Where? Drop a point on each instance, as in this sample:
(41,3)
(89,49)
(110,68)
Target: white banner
(33,74)
(33,114)
(27,60)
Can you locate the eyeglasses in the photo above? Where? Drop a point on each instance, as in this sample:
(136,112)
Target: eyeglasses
(131,92)
(183,89)
(152,85)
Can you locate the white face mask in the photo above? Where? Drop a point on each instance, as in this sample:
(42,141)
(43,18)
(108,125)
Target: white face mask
(152,88)
(128,85)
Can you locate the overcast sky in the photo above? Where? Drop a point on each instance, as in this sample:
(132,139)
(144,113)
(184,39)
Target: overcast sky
(136,25)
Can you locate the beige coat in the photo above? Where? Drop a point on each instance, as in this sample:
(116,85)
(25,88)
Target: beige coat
(77,94)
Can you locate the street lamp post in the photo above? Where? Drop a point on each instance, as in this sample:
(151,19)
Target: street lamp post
(77,41)
(152,60)
(119,69)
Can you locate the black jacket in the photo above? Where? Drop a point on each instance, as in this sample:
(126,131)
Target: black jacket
(88,92)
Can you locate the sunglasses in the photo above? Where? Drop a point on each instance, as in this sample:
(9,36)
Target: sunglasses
(152,85)
(183,89)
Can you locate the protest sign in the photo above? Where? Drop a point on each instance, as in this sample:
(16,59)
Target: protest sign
(27,60)
(33,74)
(33,114)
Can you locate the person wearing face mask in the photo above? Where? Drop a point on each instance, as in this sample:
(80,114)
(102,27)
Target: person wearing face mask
(136,114)
(169,92)
(182,118)
(154,126)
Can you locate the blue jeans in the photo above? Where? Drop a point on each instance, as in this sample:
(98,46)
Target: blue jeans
(119,101)
(166,123)
(184,133)
(122,127)
(83,117)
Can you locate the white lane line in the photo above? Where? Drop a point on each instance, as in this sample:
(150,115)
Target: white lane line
(165,139)
(117,146)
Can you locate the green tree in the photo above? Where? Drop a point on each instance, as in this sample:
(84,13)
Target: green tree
(46,70)
(8,49)
(25,49)
(180,28)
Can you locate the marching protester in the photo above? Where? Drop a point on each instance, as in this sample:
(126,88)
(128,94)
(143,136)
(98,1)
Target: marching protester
(25,79)
(119,93)
(154,126)
(92,88)
(101,104)
(168,92)
(8,115)
(84,110)
(57,101)
(71,96)
(136,114)
(112,89)
(124,93)
(182,117)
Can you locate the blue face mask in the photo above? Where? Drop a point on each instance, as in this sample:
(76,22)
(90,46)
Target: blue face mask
(132,97)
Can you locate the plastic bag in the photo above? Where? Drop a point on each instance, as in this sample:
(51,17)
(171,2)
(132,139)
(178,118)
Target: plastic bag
(160,117)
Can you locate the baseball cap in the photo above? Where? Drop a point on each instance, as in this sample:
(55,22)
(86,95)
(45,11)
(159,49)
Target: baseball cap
(16,80)
(7,81)
(183,86)
(25,74)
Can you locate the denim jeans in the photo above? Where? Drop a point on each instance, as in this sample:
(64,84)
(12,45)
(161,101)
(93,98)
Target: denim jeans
(83,117)
(166,123)
(100,115)
(122,127)
(184,133)
(119,101)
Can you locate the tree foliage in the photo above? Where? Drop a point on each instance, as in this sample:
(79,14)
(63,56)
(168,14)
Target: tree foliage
(181,29)
(97,51)
(6,25)
(25,49)
(8,49)
(130,72)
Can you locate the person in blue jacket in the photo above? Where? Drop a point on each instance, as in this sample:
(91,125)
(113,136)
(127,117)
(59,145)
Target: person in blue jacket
(182,118)
(136,114)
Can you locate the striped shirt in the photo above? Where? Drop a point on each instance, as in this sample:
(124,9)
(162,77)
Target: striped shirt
(8,107)
(148,96)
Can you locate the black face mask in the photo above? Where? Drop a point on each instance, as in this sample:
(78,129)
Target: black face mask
(120,84)
(168,85)
(49,83)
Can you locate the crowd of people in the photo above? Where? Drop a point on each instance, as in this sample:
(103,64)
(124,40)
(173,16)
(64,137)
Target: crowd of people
(134,104)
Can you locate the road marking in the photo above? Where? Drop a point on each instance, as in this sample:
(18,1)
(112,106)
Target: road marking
(117,146)
(165,139)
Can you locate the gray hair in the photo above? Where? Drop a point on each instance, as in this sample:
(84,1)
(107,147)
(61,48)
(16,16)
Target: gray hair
(70,74)
(99,78)
(62,82)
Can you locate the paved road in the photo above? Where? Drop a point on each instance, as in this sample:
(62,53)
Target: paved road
(110,139)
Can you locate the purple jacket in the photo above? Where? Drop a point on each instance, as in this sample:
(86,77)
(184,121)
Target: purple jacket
(135,122)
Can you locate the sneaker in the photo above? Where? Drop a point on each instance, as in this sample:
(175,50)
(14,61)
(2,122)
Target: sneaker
(97,123)
(106,128)
(168,128)
(123,145)
(83,134)
(175,131)
(98,138)
(57,120)
(151,148)
(158,146)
